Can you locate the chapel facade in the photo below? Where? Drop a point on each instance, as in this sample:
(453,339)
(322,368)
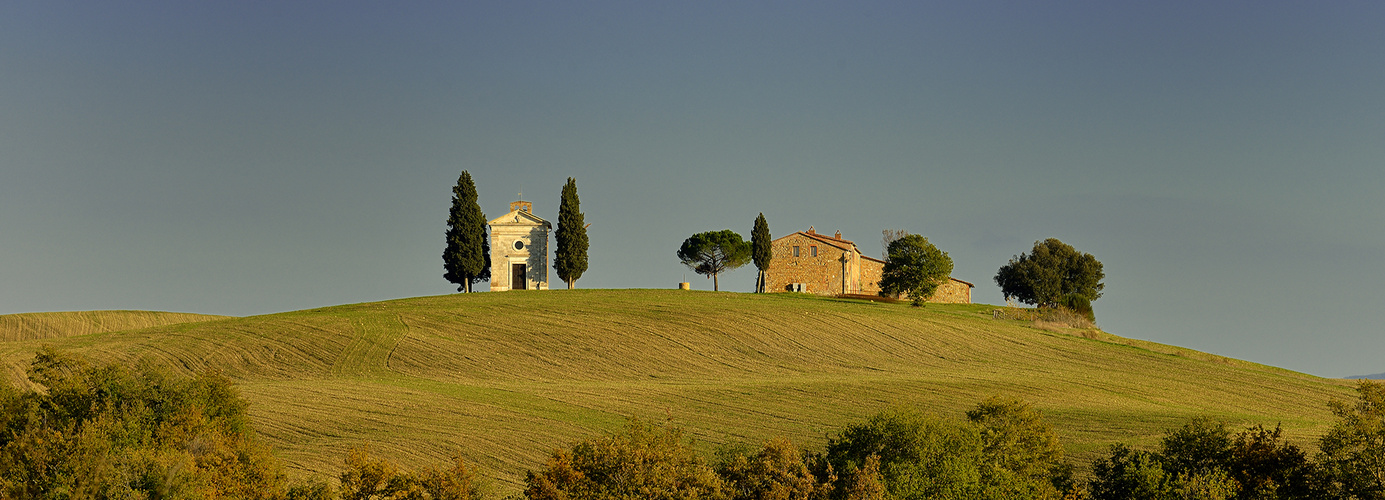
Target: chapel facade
(519,249)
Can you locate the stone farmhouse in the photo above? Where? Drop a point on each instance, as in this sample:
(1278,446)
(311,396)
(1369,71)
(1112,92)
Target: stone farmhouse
(519,249)
(809,262)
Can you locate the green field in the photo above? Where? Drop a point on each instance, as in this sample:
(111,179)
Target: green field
(505,378)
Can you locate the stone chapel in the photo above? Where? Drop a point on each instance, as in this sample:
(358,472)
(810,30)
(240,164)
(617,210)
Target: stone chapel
(519,249)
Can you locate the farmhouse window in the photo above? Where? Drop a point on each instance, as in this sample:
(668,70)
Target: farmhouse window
(813,250)
(795,250)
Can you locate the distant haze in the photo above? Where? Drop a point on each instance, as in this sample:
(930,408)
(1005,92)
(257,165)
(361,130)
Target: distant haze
(1223,160)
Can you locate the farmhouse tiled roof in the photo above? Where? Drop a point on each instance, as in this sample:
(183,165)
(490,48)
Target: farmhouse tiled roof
(837,241)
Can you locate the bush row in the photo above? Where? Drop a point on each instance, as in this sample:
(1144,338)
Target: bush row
(115,432)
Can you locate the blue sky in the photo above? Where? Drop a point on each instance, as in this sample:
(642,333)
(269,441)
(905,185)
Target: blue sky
(1222,159)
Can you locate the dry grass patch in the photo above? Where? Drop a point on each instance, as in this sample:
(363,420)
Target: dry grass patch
(34,326)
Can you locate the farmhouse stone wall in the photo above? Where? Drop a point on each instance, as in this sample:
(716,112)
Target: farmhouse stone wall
(871,272)
(952,291)
(839,267)
(835,269)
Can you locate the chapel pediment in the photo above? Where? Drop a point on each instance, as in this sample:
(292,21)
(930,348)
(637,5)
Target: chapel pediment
(519,217)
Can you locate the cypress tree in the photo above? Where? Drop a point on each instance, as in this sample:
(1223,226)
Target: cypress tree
(760,240)
(467,259)
(570,256)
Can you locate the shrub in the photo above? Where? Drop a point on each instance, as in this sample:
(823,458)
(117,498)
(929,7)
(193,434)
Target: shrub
(921,456)
(365,478)
(1203,460)
(1078,304)
(111,431)
(1129,474)
(1353,452)
(645,461)
(1004,452)
(776,471)
(865,482)
(1018,442)
(1200,445)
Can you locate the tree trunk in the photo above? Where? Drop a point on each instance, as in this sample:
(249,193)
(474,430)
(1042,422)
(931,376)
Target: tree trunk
(715,288)
(572,284)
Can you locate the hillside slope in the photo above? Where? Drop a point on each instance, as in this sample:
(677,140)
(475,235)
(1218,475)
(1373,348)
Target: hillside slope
(34,326)
(505,378)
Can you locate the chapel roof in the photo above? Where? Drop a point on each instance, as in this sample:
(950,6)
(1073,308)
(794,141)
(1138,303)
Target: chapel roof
(520,213)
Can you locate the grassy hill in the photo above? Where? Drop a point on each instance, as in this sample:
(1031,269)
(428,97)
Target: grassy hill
(505,378)
(33,326)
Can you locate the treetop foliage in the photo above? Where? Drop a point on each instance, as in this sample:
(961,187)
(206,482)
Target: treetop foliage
(1050,271)
(467,259)
(570,252)
(915,267)
(714,252)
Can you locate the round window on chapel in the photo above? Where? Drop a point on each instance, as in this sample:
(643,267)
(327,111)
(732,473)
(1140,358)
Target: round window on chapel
(519,245)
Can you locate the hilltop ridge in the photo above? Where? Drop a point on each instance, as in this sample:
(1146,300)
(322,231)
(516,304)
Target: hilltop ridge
(505,378)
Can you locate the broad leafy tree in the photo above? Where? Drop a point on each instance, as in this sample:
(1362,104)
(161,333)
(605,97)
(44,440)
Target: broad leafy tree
(570,256)
(915,267)
(714,252)
(763,251)
(1353,451)
(1049,273)
(467,260)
